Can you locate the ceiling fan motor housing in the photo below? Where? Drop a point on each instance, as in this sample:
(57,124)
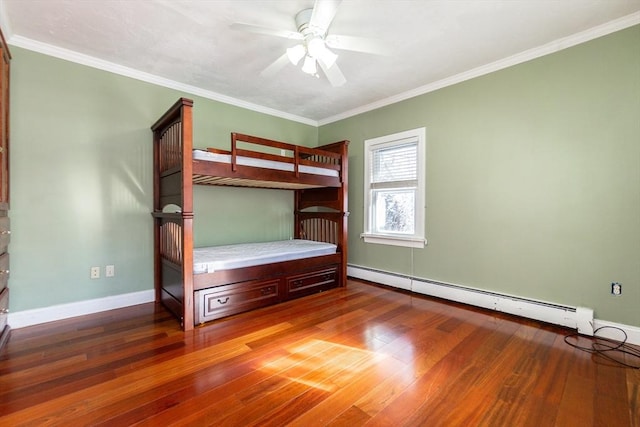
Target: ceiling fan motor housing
(303,18)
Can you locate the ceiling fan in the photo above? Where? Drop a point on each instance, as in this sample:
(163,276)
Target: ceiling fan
(315,44)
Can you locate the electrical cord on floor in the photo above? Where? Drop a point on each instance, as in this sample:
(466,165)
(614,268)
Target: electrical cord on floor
(604,347)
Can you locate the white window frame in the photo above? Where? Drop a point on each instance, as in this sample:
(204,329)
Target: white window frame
(417,239)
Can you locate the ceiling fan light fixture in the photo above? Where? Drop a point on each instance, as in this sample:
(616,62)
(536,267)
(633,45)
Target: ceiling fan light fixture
(309,65)
(318,49)
(296,53)
(315,46)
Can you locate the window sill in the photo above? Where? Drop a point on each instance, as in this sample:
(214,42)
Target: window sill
(381,239)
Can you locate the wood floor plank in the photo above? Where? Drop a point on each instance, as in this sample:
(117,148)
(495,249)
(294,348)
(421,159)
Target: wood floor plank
(607,404)
(141,380)
(462,367)
(361,355)
(350,385)
(420,354)
(310,369)
(633,390)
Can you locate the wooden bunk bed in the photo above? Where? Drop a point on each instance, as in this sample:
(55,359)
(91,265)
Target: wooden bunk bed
(318,177)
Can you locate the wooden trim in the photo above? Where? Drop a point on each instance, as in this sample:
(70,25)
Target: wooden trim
(262,177)
(278,269)
(5,188)
(187,214)
(5,95)
(218,151)
(5,46)
(172,114)
(5,335)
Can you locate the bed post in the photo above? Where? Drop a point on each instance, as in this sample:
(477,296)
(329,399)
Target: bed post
(344,209)
(187,215)
(157,270)
(173,184)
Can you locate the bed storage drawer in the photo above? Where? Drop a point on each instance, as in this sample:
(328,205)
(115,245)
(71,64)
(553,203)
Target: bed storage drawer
(4,270)
(220,301)
(309,283)
(5,233)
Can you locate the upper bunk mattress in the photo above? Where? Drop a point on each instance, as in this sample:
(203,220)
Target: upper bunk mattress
(262,163)
(215,258)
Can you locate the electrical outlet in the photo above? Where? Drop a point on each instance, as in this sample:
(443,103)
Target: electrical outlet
(616,288)
(110,271)
(95,273)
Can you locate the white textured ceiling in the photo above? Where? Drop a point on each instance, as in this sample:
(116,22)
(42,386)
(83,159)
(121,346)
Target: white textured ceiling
(190,43)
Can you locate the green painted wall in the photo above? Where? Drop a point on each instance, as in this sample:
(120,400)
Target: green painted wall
(533,179)
(81,180)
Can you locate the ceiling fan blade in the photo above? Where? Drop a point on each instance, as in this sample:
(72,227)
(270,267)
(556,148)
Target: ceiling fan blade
(334,74)
(323,13)
(275,66)
(357,44)
(267,31)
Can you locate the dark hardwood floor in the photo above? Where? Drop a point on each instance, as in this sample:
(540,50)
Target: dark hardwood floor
(364,355)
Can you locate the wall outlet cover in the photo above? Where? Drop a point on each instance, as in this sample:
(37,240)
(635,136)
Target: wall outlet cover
(616,288)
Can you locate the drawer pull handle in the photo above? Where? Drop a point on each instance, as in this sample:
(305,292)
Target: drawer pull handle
(4,271)
(5,232)
(266,291)
(4,310)
(226,300)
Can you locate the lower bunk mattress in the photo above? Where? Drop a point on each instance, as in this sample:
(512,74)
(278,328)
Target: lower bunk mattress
(227,257)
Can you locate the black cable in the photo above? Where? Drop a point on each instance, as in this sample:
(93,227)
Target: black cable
(602,346)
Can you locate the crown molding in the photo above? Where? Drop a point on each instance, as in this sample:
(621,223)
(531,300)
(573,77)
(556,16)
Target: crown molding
(519,58)
(90,61)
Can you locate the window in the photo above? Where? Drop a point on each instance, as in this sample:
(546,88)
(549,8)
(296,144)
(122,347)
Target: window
(395,189)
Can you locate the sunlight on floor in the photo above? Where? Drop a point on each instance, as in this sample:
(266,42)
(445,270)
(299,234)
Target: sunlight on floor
(322,364)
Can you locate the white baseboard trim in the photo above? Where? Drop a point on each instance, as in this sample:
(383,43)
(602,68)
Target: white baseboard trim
(579,318)
(22,319)
(609,331)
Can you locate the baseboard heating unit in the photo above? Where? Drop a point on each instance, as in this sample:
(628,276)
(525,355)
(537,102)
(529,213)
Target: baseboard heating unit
(579,318)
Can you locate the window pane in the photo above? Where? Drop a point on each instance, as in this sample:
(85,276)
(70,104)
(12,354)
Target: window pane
(394,211)
(397,163)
